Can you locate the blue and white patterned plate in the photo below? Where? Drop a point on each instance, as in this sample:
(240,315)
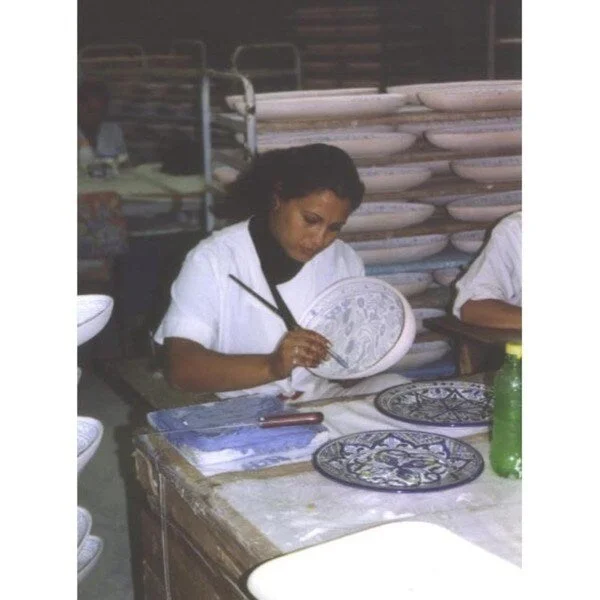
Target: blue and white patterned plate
(443,403)
(399,461)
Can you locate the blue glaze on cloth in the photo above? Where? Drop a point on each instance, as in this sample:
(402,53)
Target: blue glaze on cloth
(231,413)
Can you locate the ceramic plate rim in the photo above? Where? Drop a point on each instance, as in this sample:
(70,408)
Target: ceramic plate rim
(413,490)
(423,384)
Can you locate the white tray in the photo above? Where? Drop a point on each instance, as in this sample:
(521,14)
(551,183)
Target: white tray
(402,559)
(384,216)
(400,250)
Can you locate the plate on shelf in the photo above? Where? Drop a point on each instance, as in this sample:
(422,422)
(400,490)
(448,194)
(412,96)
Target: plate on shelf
(237,98)
(88,555)
(84,525)
(426,313)
(93,313)
(408,284)
(475,137)
(385,216)
(473,97)
(225,174)
(421,354)
(412,90)
(486,170)
(319,107)
(356,143)
(399,461)
(443,403)
(420,127)
(89,434)
(470,242)
(401,249)
(369,323)
(447,276)
(485,208)
(392,179)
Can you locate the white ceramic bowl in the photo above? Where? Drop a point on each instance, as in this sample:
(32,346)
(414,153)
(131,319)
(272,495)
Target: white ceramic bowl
(423,353)
(369,323)
(470,242)
(236,98)
(392,179)
(88,556)
(93,313)
(385,216)
(471,98)
(357,144)
(319,107)
(412,90)
(447,276)
(488,170)
(84,525)
(89,434)
(489,207)
(426,313)
(476,137)
(408,284)
(401,249)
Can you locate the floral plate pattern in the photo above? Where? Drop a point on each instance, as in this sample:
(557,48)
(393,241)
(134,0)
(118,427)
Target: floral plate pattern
(399,461)
(444,403)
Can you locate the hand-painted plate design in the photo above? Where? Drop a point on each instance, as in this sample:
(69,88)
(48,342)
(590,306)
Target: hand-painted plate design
(399,461)
(444,403)
(369,324)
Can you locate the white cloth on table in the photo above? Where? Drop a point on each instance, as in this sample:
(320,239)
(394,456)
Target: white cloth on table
(496,273)
(213,310)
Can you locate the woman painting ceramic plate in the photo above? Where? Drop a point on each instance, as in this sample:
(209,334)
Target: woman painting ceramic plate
(218,337)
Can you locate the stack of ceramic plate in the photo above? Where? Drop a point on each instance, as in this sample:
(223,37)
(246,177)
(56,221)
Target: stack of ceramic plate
(488,170)
(386,216)
(485,208)
(93,313)
(470,242)
(408,284)
(367,321)
(401,249)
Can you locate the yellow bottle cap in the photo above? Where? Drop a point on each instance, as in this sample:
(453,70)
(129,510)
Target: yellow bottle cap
(514,348)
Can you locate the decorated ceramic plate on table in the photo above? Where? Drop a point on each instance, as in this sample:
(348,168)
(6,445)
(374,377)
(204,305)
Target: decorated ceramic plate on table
(368,322)
(399,461)
(444,403)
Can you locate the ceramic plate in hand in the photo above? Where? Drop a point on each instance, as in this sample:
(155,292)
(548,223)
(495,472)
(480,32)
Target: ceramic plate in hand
(443,403)
(93,313)
(399,461)
(89,434)
(369,323)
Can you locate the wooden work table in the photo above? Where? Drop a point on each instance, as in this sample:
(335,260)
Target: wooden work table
(202,535)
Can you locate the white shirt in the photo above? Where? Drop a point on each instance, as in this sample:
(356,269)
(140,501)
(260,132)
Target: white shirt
(210,308)
(496,273)
(110,142)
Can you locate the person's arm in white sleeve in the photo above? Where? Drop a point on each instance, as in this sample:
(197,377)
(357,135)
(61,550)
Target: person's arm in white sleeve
(485,292)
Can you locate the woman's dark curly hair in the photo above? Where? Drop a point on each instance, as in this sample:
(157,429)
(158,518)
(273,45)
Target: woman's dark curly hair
(294,173)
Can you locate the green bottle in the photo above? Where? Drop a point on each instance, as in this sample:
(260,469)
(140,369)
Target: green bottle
(505,447)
